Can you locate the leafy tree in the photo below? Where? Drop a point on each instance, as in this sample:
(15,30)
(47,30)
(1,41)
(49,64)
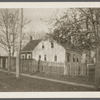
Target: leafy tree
(93,24)
(72,30)
(79,29)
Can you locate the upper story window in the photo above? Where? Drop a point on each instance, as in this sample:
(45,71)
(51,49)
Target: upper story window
(42,46)
(52,45)
(55,58)
(39,57)
(68,57)
(29,56)
(23,56)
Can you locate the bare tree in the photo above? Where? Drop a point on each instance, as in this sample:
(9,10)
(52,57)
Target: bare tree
(9,31)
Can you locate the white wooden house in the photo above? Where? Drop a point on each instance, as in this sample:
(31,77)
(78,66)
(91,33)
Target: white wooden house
(46,50)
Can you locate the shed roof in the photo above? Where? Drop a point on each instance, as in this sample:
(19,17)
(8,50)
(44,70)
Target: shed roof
(31,45)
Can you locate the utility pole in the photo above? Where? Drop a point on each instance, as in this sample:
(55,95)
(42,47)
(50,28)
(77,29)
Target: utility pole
(19,46)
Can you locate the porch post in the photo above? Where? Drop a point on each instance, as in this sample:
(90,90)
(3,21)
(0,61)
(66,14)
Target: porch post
(65,64)
(65,69)
(1,63)
(6,63)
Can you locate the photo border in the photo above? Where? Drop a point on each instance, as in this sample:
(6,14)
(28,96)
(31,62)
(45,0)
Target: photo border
(44,94)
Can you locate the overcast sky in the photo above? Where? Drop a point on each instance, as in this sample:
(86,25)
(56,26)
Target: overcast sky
(36,14)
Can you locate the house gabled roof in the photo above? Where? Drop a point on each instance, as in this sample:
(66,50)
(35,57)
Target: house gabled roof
(31,45)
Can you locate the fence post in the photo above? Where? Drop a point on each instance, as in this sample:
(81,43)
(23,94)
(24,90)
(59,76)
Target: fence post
(65,68)
(39,65)
(87,70)
(65,63)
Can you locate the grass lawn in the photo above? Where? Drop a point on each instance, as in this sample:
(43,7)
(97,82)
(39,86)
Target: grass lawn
(77,79)
(12,84)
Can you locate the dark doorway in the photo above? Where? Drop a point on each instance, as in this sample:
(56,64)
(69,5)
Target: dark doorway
(4,62)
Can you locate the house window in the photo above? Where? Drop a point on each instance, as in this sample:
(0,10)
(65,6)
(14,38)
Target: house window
(28,56)
(77,59)
(73,57)
(42,46)
(52,45)
(55,58)
(23,56)
(39,56)
(45,58)
(68,57)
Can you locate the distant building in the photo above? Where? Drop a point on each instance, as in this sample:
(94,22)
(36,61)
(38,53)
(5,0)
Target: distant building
(3,52)
(4,59)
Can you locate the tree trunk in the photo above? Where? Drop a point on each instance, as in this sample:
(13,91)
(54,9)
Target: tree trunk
(13,47)
(9,62)
(18,59)
(17,64)
(13,51)
(97,70)
(97,55)
(89,61)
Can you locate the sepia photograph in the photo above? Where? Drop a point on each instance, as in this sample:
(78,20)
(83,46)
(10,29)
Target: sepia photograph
(53,49)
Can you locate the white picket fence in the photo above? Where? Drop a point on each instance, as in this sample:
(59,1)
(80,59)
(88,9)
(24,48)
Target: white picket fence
(53,67)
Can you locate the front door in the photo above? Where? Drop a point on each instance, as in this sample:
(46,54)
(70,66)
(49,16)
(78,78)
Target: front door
(3,62)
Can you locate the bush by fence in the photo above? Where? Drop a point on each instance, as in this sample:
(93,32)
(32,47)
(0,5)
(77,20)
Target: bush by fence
(29,66)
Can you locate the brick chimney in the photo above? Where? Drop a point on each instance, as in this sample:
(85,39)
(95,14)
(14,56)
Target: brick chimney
(30,38)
